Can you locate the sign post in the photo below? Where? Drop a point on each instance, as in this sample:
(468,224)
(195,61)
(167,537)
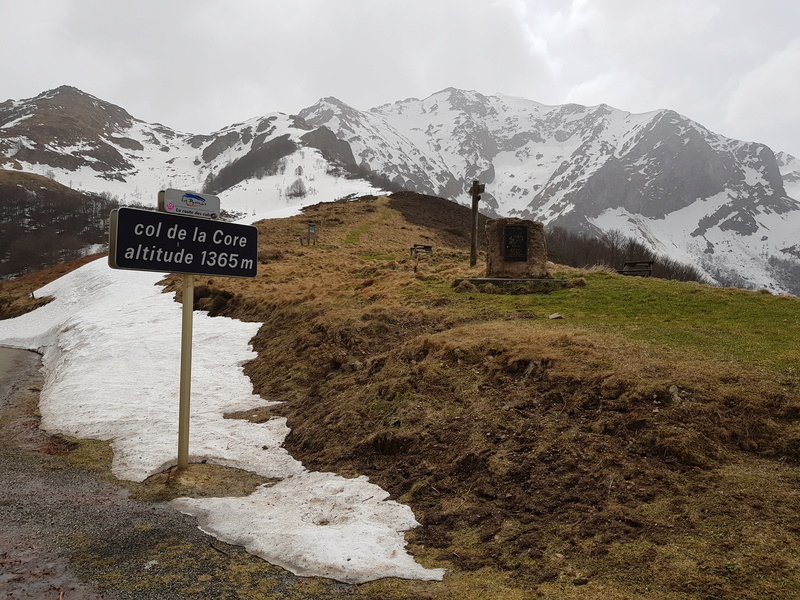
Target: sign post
(144,240)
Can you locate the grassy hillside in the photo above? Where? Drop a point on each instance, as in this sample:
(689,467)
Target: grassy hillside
(644,445)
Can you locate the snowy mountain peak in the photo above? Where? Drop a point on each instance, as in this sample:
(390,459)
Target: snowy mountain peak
(719,203)
(725,205)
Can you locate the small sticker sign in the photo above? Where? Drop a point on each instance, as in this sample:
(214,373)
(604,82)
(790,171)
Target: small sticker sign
(192,204)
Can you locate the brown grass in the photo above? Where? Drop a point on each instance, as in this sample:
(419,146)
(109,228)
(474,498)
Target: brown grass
(543,458)
(540,457)
(27,180)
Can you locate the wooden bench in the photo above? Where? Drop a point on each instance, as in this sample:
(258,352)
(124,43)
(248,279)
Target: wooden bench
(637,268)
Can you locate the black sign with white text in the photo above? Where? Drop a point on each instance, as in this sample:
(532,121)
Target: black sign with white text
(144,240)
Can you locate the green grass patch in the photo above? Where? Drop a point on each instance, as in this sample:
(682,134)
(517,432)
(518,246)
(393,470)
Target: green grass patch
(722,323)
(355,236)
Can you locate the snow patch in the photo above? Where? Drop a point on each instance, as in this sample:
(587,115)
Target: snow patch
(110,342)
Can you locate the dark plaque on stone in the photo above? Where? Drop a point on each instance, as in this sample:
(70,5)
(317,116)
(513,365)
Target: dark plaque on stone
(516,243)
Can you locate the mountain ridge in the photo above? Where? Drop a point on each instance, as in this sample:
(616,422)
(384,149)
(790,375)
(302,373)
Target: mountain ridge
(659,177)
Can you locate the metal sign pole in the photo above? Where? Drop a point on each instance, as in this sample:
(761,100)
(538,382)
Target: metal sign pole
(186,371)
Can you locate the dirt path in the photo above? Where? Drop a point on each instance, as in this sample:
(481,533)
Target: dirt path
(68,533)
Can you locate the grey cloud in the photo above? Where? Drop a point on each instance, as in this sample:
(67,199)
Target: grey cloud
(198,65)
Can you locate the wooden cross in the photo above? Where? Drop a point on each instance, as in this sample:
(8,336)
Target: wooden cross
(476,191)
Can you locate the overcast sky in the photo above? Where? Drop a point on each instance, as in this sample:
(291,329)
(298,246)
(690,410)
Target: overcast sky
(199,65)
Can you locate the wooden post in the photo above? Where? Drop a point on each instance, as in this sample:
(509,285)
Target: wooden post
(476,190)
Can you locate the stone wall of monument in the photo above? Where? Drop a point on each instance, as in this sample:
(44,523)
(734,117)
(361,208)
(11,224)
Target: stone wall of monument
(515,248)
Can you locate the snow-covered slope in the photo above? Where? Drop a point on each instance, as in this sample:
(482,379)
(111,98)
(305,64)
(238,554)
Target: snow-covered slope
(697,196)
(723,205)
(89,144)
(790,172)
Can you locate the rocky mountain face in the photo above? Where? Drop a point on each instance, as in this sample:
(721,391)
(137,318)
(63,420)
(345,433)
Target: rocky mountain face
(727,206)
(66,129)
(86,143)
(659,177)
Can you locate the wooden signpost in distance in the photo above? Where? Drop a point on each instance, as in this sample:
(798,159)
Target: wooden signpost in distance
(476,191)
(168,241)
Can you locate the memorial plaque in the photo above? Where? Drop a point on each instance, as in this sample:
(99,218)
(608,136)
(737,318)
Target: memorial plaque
(516,243)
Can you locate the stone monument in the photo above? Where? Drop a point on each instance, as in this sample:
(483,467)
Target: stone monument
(515,248)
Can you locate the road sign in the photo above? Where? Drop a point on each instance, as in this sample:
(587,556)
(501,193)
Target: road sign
(191,204)
(144,240)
